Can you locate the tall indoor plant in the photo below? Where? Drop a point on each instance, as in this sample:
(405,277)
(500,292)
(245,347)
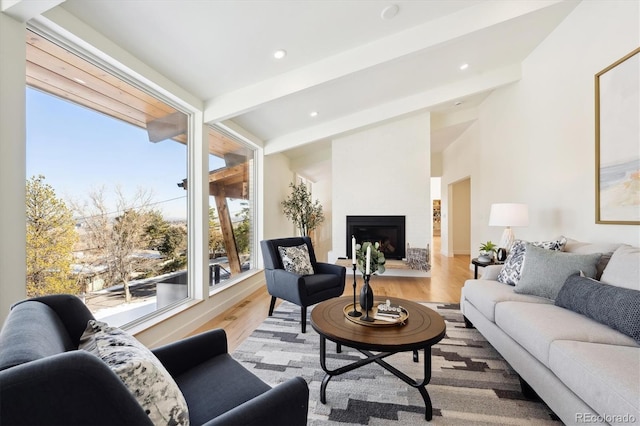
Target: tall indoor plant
(305,214)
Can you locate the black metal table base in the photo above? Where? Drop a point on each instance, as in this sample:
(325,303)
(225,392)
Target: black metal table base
(378,358)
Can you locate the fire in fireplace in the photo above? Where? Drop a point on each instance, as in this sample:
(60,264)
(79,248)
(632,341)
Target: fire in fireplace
(389,231)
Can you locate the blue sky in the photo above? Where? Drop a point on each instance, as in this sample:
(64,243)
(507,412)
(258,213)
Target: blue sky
(79,150)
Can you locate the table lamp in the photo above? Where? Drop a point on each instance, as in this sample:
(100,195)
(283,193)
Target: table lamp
(508,215)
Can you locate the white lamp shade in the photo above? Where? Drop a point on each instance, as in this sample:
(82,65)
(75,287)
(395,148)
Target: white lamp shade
(509,214)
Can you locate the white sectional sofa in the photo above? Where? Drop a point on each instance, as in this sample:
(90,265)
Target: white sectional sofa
(573,340)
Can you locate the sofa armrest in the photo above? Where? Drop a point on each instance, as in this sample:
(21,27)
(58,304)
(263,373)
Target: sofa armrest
(285,404)
(491,272)
(183,355)
(68,388)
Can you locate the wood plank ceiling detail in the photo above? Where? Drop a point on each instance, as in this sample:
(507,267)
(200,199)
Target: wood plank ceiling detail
(59,72)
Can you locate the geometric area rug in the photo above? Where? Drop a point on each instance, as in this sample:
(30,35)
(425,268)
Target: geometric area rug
(471,384)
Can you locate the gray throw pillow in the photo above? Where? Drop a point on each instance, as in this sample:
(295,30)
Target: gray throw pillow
(545,271)
(512,269)
(296,259)
(617,307)
(579,247)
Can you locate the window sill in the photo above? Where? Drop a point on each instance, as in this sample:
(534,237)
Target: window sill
(144,324)
(181,319)
(230,283)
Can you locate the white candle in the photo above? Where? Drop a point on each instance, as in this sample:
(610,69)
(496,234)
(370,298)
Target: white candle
(368,271)
(353,250)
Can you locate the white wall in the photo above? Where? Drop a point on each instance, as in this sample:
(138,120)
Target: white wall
(384,170)
(534,140)
(322,241)
(436,190)
(12,163)
(277,177)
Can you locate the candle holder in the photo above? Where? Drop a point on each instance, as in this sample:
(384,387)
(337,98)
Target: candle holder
(355,313)
(366,299)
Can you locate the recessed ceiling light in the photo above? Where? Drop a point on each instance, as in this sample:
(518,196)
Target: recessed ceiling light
(313,113)
(464,67)
(280,53)
(389,12)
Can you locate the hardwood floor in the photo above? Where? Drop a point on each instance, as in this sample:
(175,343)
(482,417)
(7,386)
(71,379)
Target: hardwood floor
(448,274)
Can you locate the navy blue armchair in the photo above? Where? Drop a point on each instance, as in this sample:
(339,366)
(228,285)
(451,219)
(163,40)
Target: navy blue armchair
(326,282)
(46,380)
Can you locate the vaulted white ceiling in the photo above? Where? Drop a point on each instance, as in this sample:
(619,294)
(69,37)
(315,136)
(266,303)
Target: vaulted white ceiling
(344,60)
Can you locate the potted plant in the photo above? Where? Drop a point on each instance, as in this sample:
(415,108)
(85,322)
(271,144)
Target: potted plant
(298,207)
(487,251)
(376,264)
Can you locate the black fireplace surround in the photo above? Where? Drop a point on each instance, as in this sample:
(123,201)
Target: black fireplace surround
(389,231)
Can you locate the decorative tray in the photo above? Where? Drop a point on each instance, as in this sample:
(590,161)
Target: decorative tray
(378,320)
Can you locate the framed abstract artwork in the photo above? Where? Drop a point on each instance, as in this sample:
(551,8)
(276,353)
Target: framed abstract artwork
(617,90)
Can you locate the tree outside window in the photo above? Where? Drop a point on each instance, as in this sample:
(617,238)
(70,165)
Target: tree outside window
(51,237)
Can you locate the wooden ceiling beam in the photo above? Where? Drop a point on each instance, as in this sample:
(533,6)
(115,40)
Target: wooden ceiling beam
(219,144)
(239,170)
(44,67)
(51,82)
(65,94)
(54,69)
(237,190)
(61,55)
(234,181)
(81,94)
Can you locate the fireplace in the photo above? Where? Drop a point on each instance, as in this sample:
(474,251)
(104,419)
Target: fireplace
(389,231)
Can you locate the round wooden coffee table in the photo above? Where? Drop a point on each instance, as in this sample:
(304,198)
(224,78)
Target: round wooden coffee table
(423,328)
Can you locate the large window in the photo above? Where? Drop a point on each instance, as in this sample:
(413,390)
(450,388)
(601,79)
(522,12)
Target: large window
(231,241)
(106,204)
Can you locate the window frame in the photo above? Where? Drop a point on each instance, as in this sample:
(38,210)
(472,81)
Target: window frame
(252,201)
(197,170)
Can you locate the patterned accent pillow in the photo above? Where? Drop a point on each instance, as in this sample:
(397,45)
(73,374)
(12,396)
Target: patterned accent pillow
(296,259)
(140,370)
(512,269)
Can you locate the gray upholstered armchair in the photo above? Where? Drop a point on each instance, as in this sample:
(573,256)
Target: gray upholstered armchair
(323,282)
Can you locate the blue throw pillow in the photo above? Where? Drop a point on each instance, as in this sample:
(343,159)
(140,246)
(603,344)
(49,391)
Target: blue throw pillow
(617,307)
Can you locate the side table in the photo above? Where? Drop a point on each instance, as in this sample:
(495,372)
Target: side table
(477,263)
